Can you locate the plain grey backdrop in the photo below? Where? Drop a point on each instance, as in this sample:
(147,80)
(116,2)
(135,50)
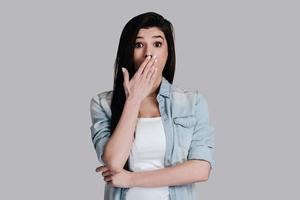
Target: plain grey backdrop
(242,55)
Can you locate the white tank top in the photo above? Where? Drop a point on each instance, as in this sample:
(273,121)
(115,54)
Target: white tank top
(147,153)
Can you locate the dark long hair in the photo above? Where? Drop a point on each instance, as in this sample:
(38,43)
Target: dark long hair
(124,59)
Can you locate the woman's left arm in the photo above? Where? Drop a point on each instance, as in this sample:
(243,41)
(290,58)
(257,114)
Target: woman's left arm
(199,160)
(189,171)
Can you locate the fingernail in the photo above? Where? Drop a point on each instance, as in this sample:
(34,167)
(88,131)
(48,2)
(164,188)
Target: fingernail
(123,70)
(155,56)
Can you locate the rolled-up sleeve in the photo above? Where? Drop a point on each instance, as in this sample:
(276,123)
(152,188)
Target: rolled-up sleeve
(203,143)
(100,128)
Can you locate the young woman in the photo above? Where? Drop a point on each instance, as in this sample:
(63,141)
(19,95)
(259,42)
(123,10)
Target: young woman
(153,139)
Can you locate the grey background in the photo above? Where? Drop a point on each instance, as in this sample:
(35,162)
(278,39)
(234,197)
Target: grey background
(242,55)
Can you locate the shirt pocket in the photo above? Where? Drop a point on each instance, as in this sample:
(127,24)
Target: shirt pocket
(184,128)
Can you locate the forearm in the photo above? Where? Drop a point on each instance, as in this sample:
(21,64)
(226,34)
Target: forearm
(118,147)
(188,172)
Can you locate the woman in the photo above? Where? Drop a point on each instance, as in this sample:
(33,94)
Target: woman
(153,139)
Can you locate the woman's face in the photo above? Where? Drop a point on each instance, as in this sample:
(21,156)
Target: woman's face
(151,41)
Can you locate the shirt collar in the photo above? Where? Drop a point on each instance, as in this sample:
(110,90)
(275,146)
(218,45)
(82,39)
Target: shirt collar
(164,88)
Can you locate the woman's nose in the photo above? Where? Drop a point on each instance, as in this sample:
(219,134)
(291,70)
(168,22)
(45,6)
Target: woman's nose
(148,55)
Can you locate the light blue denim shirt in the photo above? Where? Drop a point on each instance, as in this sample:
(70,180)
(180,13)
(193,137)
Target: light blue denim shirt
(189,134)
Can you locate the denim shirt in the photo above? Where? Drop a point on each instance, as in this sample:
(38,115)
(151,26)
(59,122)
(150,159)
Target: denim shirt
(189,134)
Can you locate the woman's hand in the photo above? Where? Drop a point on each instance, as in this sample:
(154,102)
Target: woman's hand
(140,85)
(122,179)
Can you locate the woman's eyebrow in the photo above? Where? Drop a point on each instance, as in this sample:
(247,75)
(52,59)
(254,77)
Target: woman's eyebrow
(155,36)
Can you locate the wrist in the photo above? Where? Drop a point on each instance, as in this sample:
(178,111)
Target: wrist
(133,100)
(133,179)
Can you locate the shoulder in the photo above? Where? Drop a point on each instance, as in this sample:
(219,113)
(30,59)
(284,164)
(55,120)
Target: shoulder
(183,100)
(182,94)
(187,99)
(189,95)
(100,103)
(100,97)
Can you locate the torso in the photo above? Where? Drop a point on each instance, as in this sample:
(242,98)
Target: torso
(148,153)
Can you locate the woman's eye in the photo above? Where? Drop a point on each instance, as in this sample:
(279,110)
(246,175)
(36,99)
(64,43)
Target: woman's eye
(137,44)
(158,43)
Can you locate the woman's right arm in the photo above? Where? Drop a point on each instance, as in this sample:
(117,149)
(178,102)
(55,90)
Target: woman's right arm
(115,150)
(118,147)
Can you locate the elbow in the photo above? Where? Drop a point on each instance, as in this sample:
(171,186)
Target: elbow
(204,176)
(113,166)
(204,170)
